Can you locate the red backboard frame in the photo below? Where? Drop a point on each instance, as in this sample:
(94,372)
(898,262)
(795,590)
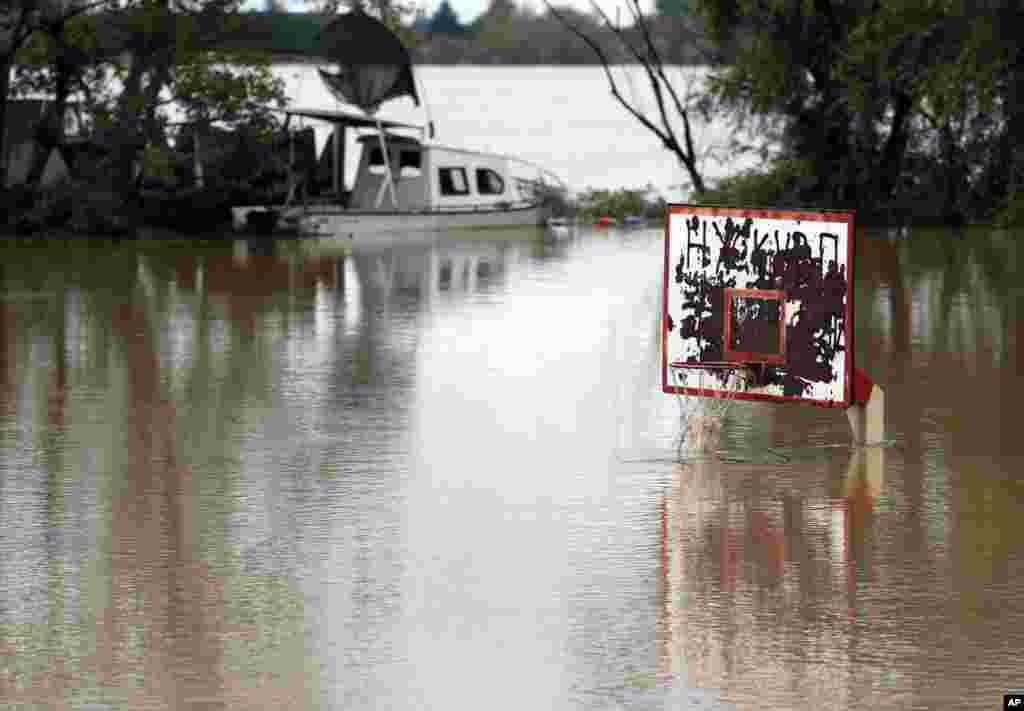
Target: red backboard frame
(749,356)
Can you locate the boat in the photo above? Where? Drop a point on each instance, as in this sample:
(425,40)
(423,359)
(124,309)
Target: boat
(420,186)
(404,180)
(559,228)
(560,222)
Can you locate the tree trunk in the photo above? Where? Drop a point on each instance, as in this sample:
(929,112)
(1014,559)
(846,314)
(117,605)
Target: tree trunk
(5,85)
(1015,121)
(126,137)
(887,172)
(160,76)
(63,73)
(699,188)
(50,132)
(1008,15)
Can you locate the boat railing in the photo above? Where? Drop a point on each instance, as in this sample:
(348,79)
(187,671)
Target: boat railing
(487,207)
(531,190)
(312,206)
(543,181)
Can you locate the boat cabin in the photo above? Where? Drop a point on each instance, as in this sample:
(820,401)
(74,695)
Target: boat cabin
(427,177)
(424,176)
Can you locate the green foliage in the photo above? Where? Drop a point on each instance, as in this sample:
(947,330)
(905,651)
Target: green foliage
(778,185)
(157,163)
(495,29)
(510,34)
(180,52)
(1012,215)
(228,87)
(881,104)
(619,204)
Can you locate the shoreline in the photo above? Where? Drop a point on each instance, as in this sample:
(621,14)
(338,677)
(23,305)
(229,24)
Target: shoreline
(158,233)
(80,211)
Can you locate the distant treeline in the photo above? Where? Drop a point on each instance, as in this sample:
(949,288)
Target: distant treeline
(505,34)
(509,34)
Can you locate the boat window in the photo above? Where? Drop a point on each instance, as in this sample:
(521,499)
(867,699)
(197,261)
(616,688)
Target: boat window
(453,181)
(488,182)
(409,164)
(377,161)
(445,275)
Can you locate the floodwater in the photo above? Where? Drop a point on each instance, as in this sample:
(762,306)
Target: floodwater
(277,475)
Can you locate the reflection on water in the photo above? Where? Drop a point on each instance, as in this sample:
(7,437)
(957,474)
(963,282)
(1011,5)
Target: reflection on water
(289,474)
(765,583)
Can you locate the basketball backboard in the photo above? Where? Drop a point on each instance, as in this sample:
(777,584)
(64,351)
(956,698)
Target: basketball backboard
(770,289)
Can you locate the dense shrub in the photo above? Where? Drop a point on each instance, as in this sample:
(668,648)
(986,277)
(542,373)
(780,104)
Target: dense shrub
(1013,214)
(622,203)
(778,185)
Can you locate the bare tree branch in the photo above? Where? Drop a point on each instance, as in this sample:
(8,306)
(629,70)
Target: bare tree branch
(651,61)
(611,80)
(655,86)
(659,68)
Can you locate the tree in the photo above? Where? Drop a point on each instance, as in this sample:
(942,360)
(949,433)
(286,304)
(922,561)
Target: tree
(445,21)
(991,63)
(840,76)
(17,23)
(163,52)
(66,28)
(645,52)
(232,88)
(173,56)
(53,33)
(878,104)
(493,30)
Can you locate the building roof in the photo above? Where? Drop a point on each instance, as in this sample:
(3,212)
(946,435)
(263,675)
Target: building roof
(293,33)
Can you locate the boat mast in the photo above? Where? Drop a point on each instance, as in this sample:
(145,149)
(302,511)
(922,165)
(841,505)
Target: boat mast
(291,167)
(337,138)
(424,168)
(390,182)
(426,106)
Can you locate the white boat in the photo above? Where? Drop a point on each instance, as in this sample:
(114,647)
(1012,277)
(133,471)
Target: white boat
(561,222)
(421,186)
(403,182)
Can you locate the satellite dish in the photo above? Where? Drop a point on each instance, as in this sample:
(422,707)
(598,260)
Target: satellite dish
(374,65)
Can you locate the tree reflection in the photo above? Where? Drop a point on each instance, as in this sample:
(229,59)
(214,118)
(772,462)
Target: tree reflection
(760,579)
(901,560)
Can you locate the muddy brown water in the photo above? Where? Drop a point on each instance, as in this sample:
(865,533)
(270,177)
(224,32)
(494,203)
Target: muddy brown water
(239,475)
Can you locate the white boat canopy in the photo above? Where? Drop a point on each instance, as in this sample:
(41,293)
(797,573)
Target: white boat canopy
(342,120)
(346,118)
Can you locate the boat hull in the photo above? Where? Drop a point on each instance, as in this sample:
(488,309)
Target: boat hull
(332,221)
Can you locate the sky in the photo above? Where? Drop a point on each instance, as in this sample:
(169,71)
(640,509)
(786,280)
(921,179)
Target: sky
(469,10)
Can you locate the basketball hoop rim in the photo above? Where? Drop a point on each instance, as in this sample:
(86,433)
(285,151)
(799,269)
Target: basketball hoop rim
(711,365)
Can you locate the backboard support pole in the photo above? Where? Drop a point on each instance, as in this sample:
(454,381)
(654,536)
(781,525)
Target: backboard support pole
(867,413)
